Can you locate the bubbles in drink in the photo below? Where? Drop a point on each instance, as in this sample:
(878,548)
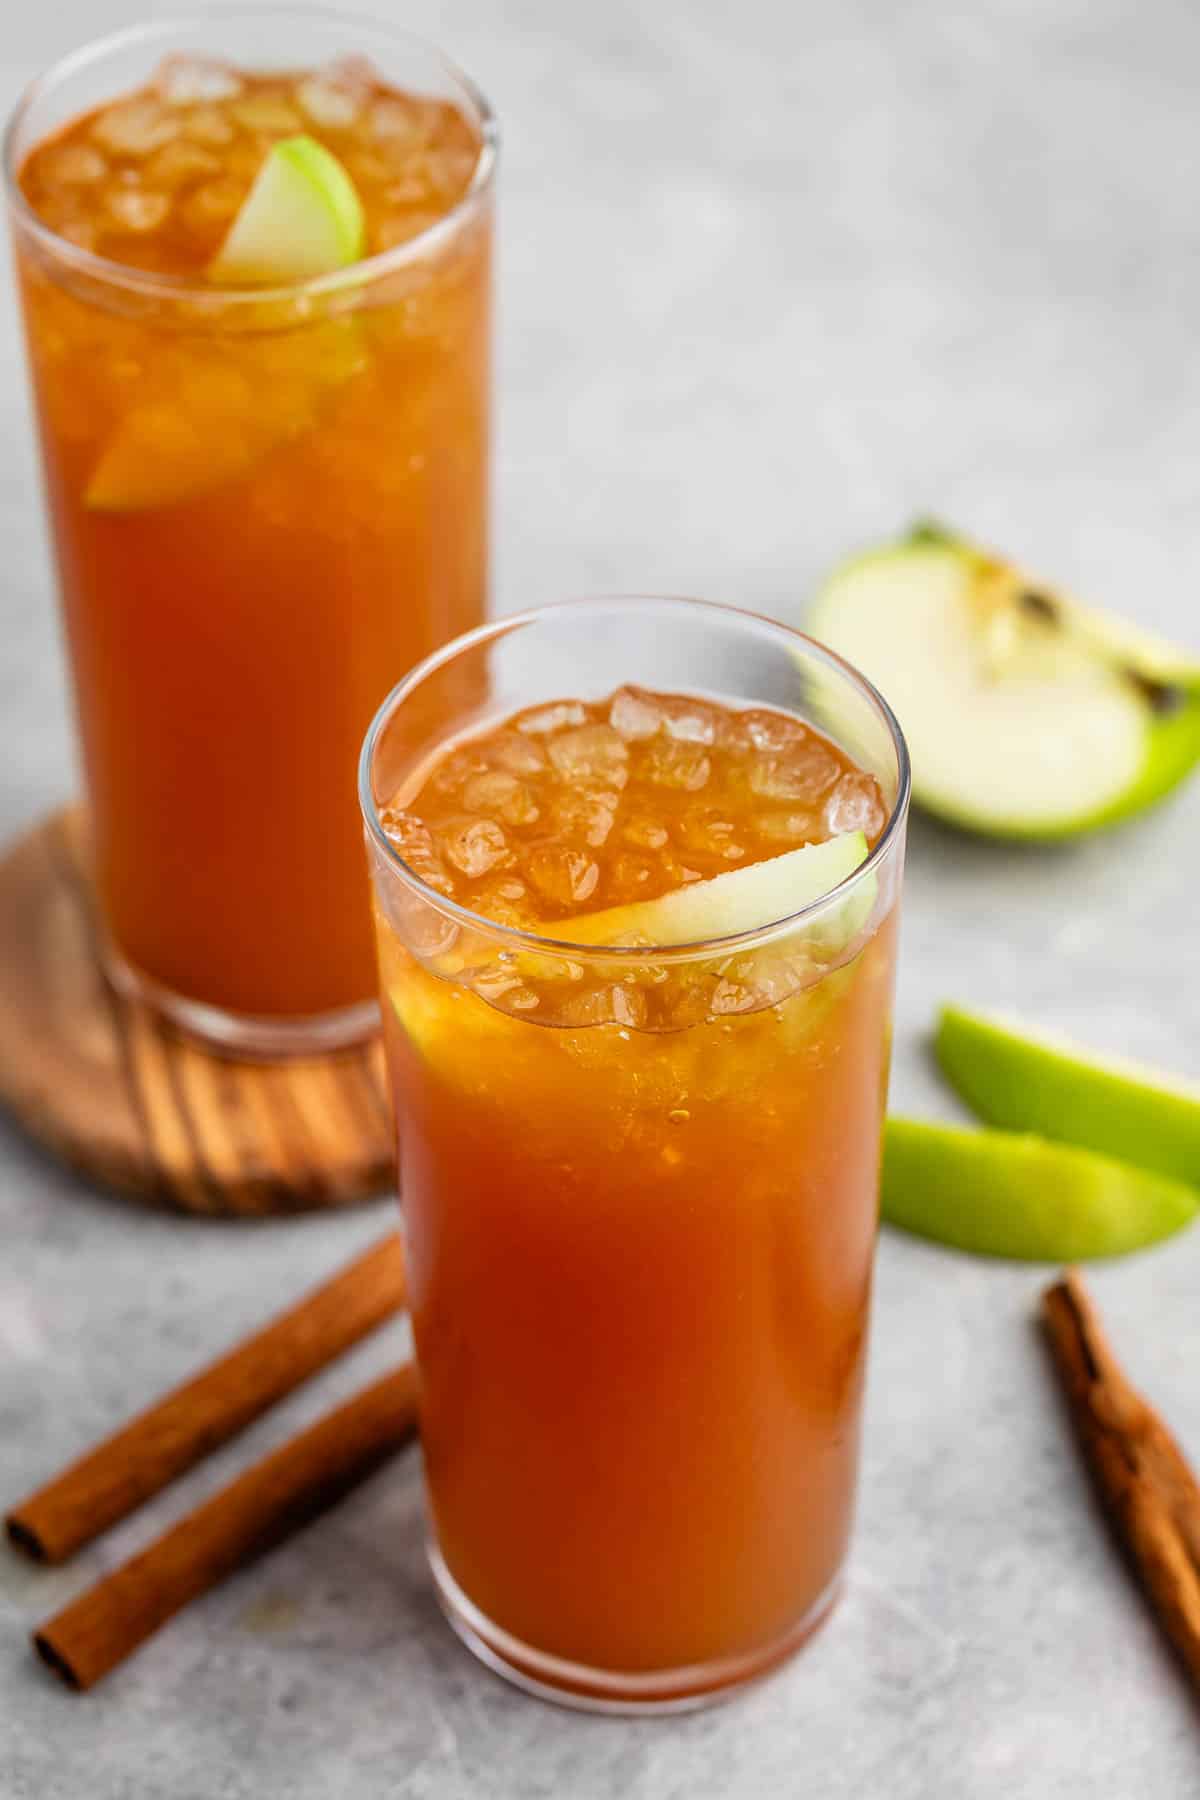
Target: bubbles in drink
(503,988)
(731,996)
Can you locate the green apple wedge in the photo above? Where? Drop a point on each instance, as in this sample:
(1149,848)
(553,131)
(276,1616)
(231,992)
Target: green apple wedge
(739,900)
(724,906)
(1028,716)
(302,218)
(1031,1081)
(996,1193)
(220,407)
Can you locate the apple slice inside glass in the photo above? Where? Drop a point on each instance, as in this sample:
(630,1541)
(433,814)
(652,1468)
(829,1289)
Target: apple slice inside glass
(739,900)
(1033,1081)
(302,218)
(1027,715)
(220,405)
(998,1193)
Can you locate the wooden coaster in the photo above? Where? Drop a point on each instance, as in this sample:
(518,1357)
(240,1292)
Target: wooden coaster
(106,1084)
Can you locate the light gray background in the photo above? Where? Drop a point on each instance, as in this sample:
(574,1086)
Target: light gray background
(775,276)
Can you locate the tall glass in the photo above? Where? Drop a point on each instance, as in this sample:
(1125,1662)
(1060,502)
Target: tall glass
(639,1259)
(317,516)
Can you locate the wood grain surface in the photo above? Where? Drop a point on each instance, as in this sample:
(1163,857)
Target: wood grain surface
(103,1082)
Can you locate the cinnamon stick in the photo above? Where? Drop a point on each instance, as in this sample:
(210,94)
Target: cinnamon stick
(258,1510)
(1143,1477)
(114,1479)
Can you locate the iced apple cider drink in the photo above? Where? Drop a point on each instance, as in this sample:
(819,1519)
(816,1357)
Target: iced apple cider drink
(266,471)
(636,923)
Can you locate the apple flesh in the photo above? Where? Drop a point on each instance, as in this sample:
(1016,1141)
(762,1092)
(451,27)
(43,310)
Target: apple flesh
(302,218)
(1029,1081)
(999,1194)
(738,901)
(1027,715)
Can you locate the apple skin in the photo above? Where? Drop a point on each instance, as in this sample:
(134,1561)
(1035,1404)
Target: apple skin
(302,218)
(1173,734)
(1025,1084)
(996,1193)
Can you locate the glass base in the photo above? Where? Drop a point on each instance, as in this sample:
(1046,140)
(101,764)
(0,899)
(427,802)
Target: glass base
(609,1691)
(266,1037)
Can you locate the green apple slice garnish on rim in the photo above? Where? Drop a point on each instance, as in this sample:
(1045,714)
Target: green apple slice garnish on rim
(997,1193)
(302,218)
(1027,714)
(1032,1081)
(225,406)
(737,901)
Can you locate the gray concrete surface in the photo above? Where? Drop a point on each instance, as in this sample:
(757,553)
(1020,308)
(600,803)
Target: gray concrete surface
(774,277)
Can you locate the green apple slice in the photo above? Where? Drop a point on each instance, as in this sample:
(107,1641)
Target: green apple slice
(1027,715)
(1029,1081)
(739,900)
(999,1194)
(221,408)
(302,218)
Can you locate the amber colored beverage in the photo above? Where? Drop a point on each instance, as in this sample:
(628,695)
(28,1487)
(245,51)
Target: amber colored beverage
(263,504)
(639,1190)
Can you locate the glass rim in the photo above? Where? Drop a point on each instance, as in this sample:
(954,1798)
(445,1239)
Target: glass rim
(522,938)
(150,284)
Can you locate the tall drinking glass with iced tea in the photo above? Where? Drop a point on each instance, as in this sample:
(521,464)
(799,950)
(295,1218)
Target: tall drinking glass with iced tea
(266,495)
(636,909)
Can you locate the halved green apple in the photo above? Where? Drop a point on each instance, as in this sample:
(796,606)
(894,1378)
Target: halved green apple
(1027,715)
(220,406)
(739,900)
(1000,1194)
(1031,1081)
